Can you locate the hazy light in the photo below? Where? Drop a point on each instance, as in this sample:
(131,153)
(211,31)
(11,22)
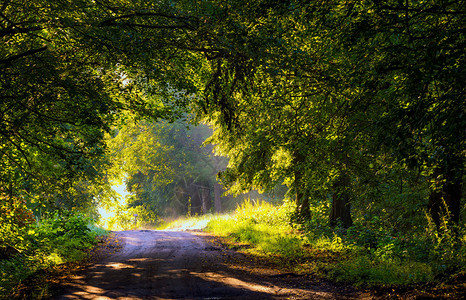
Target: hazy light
(105,215)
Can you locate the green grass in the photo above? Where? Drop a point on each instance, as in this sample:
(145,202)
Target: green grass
(262,229)
(97,230)
(361,255)
(372,271)
(186,223)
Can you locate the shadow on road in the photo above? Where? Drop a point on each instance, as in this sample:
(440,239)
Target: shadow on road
(177,265)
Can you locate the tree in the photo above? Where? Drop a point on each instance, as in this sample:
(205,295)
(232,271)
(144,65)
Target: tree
(330,85)
(166,167)
(413,88)
(66,71)
(53,120)
(391,71)
(292,99)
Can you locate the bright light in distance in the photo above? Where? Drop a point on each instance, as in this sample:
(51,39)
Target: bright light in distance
(107,215)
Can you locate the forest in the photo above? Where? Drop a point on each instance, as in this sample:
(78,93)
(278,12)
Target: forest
(348,116)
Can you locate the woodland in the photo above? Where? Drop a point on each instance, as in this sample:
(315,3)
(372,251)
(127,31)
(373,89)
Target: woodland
(352,113)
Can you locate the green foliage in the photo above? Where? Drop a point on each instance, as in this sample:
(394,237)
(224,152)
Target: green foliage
(372,271)
(352,105)
(67,74)
(263,226)
(59,238)
(168,170)
(124,217)
(378,257)
(447,245)
(365,254)
(66,233)
(332,100)
(15,220)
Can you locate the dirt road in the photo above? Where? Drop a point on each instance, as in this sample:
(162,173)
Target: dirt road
(183,265)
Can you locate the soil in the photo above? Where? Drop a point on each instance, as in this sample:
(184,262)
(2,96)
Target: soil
(151,264)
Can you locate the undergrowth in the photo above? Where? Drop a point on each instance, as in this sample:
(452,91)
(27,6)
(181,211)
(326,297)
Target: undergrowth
(58,239)
(364,254)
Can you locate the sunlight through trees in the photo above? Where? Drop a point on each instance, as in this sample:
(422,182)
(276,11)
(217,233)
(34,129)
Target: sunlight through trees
(355,108)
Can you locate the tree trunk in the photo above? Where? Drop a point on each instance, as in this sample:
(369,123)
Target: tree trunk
(341,206)
(341,210)
(204,194)
(445,201)
(303,211)
(217,197)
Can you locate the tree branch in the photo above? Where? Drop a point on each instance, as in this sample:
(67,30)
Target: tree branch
(16,30)
(432,10)
(18,164)
(12,58)
(141,14)
(18,147)
(150,26)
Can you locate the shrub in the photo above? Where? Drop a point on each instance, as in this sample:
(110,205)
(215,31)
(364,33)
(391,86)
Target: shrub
(67,233)
(15,220)
(367,270)
(59,238)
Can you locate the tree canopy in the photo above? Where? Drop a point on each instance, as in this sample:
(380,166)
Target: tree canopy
(345,82)
(319,95)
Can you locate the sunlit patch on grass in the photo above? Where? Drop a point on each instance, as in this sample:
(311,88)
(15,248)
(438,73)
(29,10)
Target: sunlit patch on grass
(54,259)
(188,223)
(261,229)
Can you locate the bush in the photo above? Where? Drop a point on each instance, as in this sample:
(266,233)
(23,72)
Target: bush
(367,270)
(15,220)
(65,234)
(59,238)
(387,259)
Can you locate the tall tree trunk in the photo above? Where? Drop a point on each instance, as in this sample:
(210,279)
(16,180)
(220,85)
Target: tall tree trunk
(445,200)
(217,197)
(303,211)
(204,193)
(341,205)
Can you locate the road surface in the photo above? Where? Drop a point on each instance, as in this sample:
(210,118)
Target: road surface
(182,265)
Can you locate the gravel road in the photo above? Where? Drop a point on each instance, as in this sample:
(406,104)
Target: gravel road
(182,265)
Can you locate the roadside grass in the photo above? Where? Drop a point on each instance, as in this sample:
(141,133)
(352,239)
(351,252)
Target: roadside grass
(264,230)
(260,228)
(97,230)
(186,223)
(360,255)
(46,248)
